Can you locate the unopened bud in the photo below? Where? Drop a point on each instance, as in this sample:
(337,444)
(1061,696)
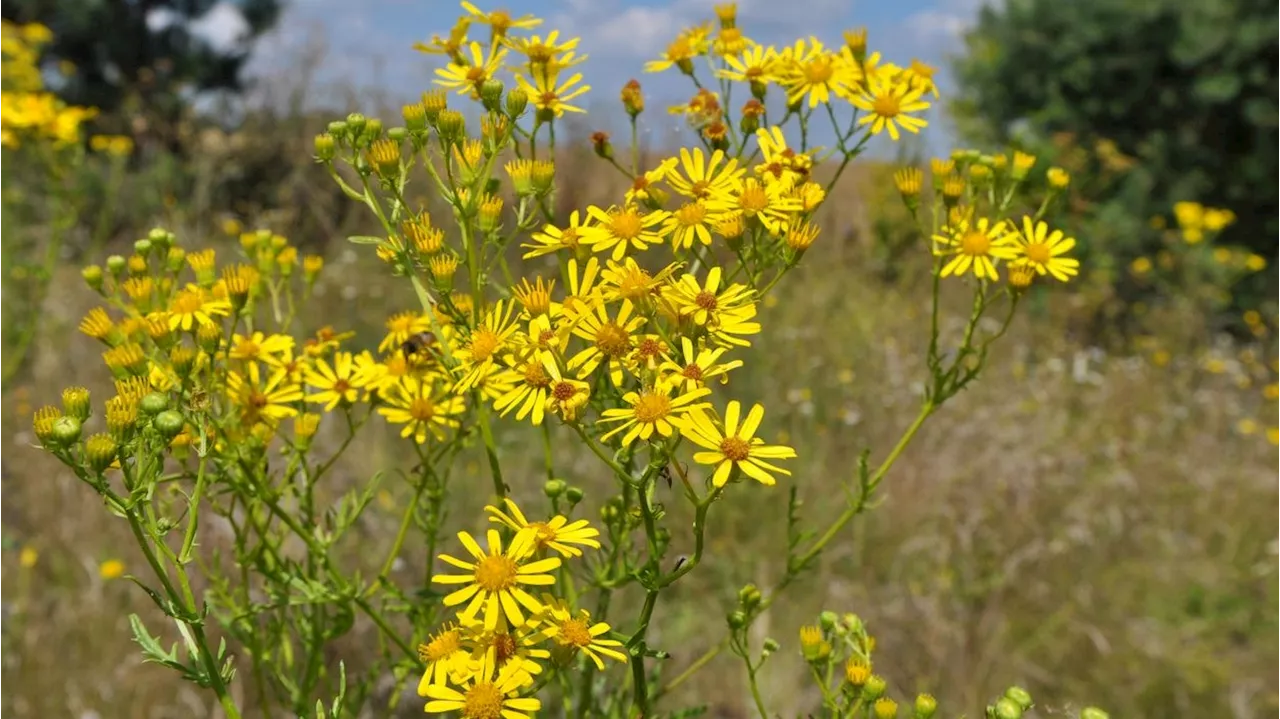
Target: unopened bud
(573,495)
(397,134)
(752,111)
(926,706)
(490,216)
(1019,695)
(632,98)
(326,147)
(152,404)
(100,452)
(75,403)
(92,275)
(1022,164)
(885,708)
(517,102)
(856,41)
(451,125)
(356,123)
(116,265)
(1093,713)
(827,620)
(491,94)
(737,619)
(337,128)
(554,488)
(874,687)
(66,431)
(749,597)
(415,116)
(770,646)
(600,143)
(1006,708)
(434,102)
(544,176)
(168,423)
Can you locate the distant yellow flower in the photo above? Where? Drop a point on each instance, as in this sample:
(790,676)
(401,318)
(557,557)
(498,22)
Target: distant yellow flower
(1140,266)
(421,409)
(889,104)
(696,365)
(260,400)
(623,228)
(488,342)
(974,245)
(679,53)
(258,347)
(500,22)
(551,97)
(442,653)
(811,70)
(553,239)
(1042,250)
(111,569)
(195,306)
(557,533)
(574,630)
(493,580)
(651,411)
(466,77)
(756,64)
(735,446)
(28,557)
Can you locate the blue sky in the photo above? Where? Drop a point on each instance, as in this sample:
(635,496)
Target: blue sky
(366,44)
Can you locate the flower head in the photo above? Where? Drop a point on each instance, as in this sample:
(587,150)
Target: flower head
(735,446)
(557,533)
(493,580)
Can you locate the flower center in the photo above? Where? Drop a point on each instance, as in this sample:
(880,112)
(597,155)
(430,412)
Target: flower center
(496,572)
(500,21)
(625,225)
(483,344)
(187,303)
(539,53)
(341,386)
(753,199)
(634,284)
(886,106)
(575,632)
(651,407)
(649,348)
(819,72)
(476,75)
(706,300)
(248,349)
(545,533)
(549,99)
(975,243)
(692,214)
(504,646)
(258,400)
(482,701)
(535,375)
(692,371)
(700,189)
(1038,252)
(441,647)
(422,409)
(563,391)
(612,340)
(569,237)
(735,449)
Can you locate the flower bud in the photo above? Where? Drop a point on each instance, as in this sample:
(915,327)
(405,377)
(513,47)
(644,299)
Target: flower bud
(885,708)
(874,687)
(926,705)
(355,124)
(1022,164)
(116,265)
(632,98)
(554,488)
(337,128)
(752,111)
(490,217)
(812,644)
(1019,695)
(161,237)
(443,266)
(372,130)
(384,155)
(42,423)
(737,619)
(92,275)
(1093,713)
(517,102)
(153,403)
(434,102)
(909,181)
(451,125)
(770,646)
(491,94)
(827,620)
(142,247)
(100,451)
(168,423)
(75,403)
(749,597)
(1058,178)
(326,147)
(415,116)
(856,41)
(952,189)
(544,176)
(856,672)
(600,143)
(66,431)
(573,495)
(1006,708)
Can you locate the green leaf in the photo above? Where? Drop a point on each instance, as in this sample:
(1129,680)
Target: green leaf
(365,240)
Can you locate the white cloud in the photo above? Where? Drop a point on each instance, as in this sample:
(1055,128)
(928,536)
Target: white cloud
(638,31)
(223,27)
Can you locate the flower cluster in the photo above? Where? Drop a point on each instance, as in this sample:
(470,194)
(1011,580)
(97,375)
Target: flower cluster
(484,662)
(29,111)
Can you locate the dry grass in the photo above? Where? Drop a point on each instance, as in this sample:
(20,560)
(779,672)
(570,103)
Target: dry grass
(1089,526)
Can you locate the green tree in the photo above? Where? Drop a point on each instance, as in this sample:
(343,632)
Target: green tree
(144,51)
(1188,89)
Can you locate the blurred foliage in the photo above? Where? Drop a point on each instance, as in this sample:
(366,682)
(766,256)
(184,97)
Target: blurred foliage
(1159,100)
(127,57)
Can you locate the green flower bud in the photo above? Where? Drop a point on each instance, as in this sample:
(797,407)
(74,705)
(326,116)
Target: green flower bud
(397,134)
(573,495)
(451,125)
(1007,708)
(142,247)
(372,129)
(338,129)
(1019,695)
(355,123)
(93,277)
(554,488)
(100,451)
(116,265)
(926,705)
(169,423)
(749,597)
(153,404)
(160,236)
(517,102)
(75,403)
(326,147)
(737,619)
(886,708)
(491,94)
(827,620)
(1093,713)
(415,116)
(770,646)
(874,688)
(66,431)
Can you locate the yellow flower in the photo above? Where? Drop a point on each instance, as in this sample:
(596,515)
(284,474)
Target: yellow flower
(557,533)
(485,345)
(1140,265)
(642,188)
(627,280)
(337,384)
(769,203)
(696,366)
(736,446)
(704,179)
(567,397)
(467,76)
(1042,250)
(489,693)
(693,221)
(724,312)
(652,410)
(263,401)
(810,69)
(624,227)
(574,631)
(415,404)
(493,580)
(111,569)
(781,164)
(541,51)
(500,21)
(258,347)
(550,97)
(756,64)
(195,306)
(531,382)
(889,104)
(611,341)
(442,654)
(974,245)
(680,53)
(28,557)
(554,239)
(402,326)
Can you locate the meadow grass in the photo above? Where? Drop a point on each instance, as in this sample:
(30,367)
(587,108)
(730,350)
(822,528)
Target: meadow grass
(1086,524)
